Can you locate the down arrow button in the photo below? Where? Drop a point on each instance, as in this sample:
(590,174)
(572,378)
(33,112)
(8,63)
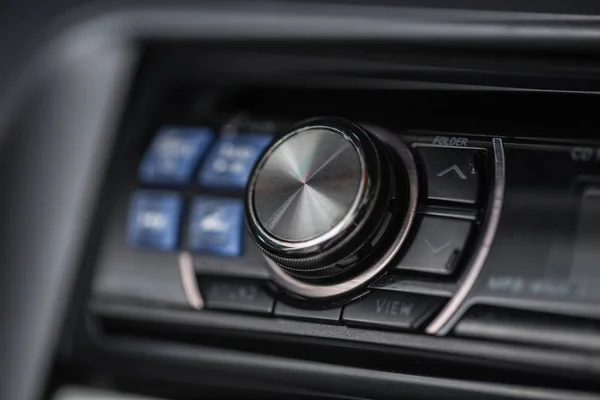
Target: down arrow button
(437,247)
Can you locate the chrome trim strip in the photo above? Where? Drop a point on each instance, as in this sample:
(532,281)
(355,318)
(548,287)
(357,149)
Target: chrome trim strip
(440,325)
(189,281)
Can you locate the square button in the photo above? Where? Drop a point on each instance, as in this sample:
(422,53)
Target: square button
(231,160)
(236,295)
(437,246)
(174,154)
(215,226)
(154,220)
(452,174)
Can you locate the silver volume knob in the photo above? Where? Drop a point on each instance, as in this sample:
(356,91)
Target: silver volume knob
(309,188)
(326,201)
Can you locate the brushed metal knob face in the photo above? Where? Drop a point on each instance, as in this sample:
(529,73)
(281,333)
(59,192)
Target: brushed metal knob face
(327,202)
(309,185)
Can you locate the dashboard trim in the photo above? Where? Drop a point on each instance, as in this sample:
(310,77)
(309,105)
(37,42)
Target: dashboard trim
(189,282)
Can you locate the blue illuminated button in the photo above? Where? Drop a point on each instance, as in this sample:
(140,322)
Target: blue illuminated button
(174,153)
(230,161)
(215,226)
(154,220)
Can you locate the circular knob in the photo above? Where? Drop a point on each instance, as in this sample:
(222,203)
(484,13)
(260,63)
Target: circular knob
(326,202)
(309,188)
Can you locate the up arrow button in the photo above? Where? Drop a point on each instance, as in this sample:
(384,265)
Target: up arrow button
(450,169)
(452,174)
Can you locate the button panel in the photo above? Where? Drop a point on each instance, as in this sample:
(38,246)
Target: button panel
(236,295)
(437,246)
(213,224)
(209,215)
(452,174)
(403,311)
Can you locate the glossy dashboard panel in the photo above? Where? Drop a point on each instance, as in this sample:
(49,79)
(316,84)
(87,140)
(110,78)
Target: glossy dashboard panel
(458,183)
